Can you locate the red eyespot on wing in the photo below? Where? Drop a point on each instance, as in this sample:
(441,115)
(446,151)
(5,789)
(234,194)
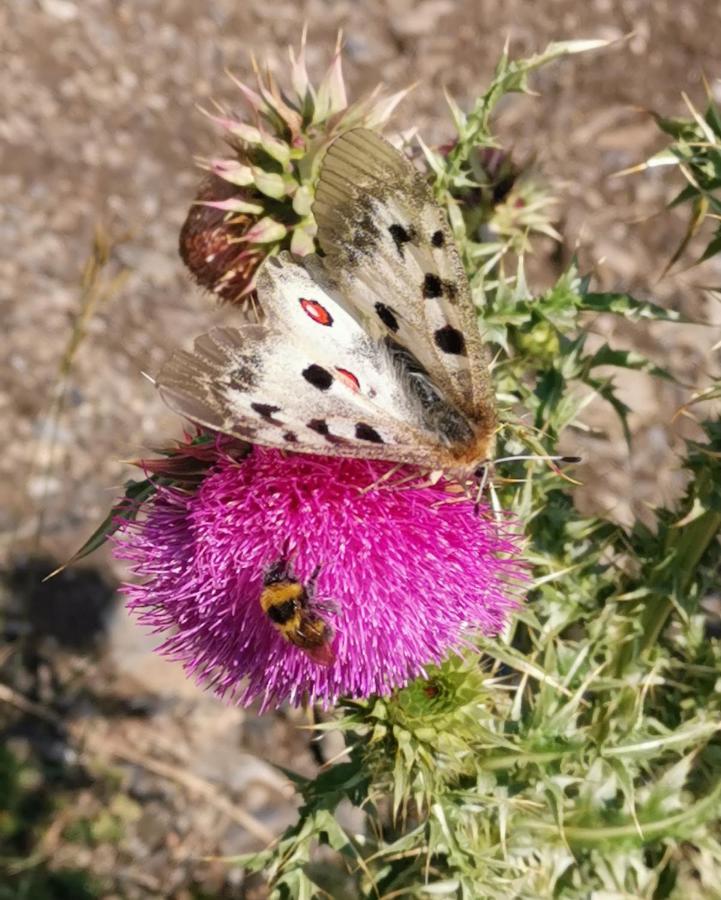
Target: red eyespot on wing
(323,655)
(316,311)
(348,379)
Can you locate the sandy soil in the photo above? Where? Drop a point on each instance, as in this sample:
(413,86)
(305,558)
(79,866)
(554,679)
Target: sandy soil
(99,126)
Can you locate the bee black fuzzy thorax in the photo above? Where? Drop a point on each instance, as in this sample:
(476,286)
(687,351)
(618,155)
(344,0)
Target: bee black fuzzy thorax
(283,601)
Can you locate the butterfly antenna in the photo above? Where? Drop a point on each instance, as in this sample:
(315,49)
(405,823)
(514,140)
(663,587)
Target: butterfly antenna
(482,471)
(538,458)
(492,363)
(254,306)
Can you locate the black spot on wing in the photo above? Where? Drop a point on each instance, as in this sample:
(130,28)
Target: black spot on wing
(450,340)
(290,437)
(318,376)
(401,236)
(387,316)
(366,433)
(432,286)
(320,426)
(266,410)
(438,239)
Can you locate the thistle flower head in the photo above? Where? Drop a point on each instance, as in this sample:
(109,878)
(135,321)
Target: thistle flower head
(257,200)
(402,574)
(500,199)
(184,463)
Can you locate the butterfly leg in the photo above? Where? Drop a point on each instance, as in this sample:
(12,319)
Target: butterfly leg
(384,477)
(413,477)
(481,473)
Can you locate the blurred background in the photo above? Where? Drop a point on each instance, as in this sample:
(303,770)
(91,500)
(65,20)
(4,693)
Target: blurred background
(118,777)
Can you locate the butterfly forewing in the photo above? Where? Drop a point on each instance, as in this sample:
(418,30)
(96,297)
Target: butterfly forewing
(393,253)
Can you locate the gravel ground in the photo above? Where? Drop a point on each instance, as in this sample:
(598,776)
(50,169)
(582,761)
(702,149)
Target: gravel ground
(98,127)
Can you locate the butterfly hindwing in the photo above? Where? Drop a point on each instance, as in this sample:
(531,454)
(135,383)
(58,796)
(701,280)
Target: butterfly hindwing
(249,382)
(302,305)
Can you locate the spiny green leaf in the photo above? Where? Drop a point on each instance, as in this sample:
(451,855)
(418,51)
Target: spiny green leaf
(136,493)
(629,307)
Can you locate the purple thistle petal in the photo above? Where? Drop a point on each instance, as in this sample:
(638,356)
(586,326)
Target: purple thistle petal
(408,572)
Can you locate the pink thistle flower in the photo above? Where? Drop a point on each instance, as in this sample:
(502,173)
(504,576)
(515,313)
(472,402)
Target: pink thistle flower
(404,574)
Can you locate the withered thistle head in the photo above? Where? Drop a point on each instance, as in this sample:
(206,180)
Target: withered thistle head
(257,200)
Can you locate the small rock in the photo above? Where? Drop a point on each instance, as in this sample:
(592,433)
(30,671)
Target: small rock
(63,10)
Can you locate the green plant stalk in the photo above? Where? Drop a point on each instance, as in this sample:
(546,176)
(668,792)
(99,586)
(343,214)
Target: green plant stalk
(94,290)
(691,544)
(685,545)
(629,831)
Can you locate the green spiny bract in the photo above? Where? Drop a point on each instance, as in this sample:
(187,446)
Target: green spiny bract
(695,149)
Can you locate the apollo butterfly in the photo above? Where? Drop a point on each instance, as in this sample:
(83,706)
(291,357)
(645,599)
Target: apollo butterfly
(369,349)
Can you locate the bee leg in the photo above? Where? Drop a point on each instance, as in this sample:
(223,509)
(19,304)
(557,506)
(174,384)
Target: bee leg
(412,477)
(310,586)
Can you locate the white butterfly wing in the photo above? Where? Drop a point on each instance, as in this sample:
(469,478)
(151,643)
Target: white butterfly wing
(309,378)
(300,303)
(391,250)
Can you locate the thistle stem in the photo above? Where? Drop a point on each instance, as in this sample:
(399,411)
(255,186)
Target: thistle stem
(684,547)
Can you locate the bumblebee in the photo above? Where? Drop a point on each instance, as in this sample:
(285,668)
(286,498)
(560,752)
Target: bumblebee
(288,603)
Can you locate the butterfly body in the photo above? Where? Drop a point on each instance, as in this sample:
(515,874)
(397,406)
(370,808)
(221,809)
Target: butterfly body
(288,604)
(371,349)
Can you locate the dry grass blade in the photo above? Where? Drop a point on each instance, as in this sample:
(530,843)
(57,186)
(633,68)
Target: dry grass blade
(95,288)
